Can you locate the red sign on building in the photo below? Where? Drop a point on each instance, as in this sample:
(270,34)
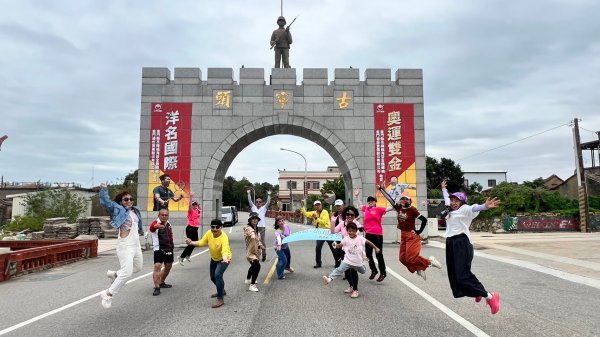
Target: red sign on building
(170,150)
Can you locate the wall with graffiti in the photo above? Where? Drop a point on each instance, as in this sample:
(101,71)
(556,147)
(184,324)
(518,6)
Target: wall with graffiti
(540,223)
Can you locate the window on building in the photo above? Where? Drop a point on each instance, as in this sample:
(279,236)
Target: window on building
(491,182)
(291,185)
(313,185)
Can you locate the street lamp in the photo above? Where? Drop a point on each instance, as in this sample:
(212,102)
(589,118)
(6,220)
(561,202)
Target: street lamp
(305,166)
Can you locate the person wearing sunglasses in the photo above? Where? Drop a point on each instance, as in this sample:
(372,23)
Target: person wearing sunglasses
(126,218)
(220,257)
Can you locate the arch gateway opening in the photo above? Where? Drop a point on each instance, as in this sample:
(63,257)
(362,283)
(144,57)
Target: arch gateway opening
(192,128)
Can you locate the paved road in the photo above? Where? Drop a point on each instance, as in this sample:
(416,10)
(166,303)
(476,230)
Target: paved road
(549,286)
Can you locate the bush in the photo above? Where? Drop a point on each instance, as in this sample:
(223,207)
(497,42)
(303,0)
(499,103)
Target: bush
(21,223)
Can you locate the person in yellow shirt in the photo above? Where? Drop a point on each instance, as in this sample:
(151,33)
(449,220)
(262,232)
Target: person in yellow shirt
(220,257)
(321,219)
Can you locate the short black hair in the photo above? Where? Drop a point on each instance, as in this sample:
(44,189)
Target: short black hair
(351,225)
(371,198)
(162,177)
(349,208)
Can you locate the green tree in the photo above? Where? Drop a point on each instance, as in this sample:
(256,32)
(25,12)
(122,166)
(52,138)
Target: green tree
(537,183)
(56,203)
(475,188)
(443,169)
(337,186)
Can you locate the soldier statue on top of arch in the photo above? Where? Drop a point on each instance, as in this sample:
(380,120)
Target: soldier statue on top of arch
(281,39)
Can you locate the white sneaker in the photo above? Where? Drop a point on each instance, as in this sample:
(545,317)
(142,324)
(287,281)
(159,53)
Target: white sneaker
(106,299)
(111,274)
(253,288)
(180,260)
(326,280)
(247,281)
(435,262)
(188,259)
(422,274)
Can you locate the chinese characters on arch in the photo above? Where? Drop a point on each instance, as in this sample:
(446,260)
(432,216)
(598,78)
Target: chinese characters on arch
(395,149)
(170,150)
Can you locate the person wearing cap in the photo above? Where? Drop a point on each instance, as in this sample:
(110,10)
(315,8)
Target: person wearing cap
(191,230)
(220,257)
(320,218)
(336,219)
(374,233)
(254,250)
(284,257)
(410,239)
(459,248)
(261,211)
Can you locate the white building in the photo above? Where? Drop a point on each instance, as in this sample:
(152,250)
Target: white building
(485,179)
(290,184)
(18,201)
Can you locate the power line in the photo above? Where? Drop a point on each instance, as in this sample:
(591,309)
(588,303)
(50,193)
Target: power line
(516,141)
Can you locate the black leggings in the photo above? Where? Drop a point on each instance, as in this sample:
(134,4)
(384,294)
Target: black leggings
(378,242)
(192,233)
(352,278)
(253,271)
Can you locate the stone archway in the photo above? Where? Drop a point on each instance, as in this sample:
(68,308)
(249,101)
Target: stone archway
(218,117)
(242,137)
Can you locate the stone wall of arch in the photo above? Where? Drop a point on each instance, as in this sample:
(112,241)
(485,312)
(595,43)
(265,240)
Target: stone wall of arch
(255,111)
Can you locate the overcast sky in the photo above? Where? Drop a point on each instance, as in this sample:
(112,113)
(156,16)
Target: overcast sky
(494,72)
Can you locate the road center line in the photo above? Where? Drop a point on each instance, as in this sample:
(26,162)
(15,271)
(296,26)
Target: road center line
(72,304)
(459,319)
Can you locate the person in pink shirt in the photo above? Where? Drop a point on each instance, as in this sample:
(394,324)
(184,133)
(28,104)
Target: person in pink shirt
(346,216)
(191,230)
(372,216)
(353,246)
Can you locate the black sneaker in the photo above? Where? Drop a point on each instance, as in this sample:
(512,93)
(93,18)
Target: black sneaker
(317,266)
(264,258)
(164,285)
(156,291)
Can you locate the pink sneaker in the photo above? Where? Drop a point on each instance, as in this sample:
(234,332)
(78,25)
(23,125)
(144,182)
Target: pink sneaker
(354,294)
(478,299)
(349,290)
(494,303)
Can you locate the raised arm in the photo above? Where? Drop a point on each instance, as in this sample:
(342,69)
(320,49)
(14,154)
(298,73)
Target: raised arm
(357,197)
(268,199)
(489,203)
(386,195)
(445,193)
(104,199)
(250,201)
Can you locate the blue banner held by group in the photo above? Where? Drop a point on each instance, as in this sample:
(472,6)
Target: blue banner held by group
(313,234)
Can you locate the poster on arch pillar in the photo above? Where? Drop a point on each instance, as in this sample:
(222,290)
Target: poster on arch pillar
(170,151)
(395,150)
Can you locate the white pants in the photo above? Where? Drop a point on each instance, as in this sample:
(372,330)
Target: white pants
(131,259)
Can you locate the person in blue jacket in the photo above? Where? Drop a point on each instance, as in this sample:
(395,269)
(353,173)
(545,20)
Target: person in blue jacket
(127,219)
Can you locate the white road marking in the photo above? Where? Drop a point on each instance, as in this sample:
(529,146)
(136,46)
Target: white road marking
(72,304)
(459,319)
(533,266)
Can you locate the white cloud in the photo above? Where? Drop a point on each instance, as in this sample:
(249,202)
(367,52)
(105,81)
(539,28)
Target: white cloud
(495,72)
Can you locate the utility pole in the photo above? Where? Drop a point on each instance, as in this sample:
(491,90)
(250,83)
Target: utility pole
(584,213)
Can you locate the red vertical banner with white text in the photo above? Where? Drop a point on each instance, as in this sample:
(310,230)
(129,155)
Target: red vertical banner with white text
(170,150)
(395,149)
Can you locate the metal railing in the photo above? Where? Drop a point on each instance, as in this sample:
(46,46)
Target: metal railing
(30,255)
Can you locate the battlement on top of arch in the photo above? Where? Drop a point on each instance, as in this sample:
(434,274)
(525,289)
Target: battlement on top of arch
(188,81)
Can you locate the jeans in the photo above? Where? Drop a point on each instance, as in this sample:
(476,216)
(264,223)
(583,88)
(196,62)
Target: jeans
(350,271)
(131,260)
(217,268)
(192,233)
(378,242)
(288,256)
(281,263)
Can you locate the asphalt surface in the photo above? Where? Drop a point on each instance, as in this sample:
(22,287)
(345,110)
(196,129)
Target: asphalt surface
(549,286)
